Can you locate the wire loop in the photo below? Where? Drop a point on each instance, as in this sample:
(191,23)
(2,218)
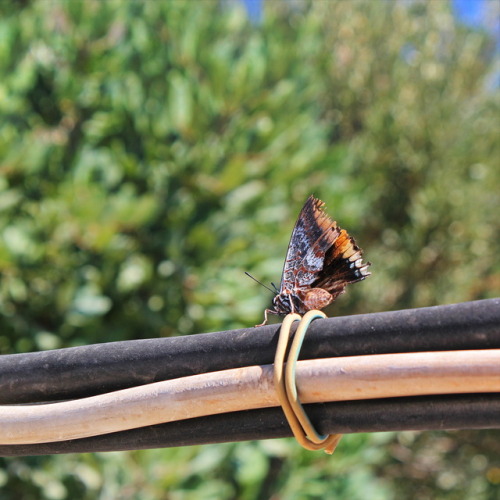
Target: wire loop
(286,388)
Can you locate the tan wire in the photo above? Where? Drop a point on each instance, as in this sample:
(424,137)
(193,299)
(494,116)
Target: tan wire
(327,442)
(286,389)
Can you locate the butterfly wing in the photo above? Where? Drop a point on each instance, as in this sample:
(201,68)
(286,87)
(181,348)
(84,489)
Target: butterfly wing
(343,264)
(313,233)
(320,254)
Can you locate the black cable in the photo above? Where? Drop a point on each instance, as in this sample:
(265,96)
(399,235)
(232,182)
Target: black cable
(95,369)
(463,411)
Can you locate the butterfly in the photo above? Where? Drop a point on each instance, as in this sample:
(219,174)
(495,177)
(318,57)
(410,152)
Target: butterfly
(322,259)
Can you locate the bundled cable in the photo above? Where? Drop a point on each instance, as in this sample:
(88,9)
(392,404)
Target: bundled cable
(363,341)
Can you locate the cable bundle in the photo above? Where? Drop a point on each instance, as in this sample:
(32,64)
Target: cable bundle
(444,373)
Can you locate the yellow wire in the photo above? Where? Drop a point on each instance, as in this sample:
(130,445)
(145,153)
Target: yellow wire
(299,422)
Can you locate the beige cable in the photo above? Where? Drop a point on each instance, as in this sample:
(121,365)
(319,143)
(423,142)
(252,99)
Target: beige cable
(319,380)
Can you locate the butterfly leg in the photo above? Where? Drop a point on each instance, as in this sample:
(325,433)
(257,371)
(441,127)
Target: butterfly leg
(266,312)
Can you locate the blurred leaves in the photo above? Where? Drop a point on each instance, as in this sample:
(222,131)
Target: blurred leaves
(150,152)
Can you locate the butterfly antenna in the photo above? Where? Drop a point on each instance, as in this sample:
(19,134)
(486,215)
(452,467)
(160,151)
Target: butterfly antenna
(275,288)
(262,284)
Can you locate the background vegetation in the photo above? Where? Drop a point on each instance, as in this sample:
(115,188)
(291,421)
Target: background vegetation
(150,152)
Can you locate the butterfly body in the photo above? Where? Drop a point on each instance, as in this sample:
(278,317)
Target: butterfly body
(322,259)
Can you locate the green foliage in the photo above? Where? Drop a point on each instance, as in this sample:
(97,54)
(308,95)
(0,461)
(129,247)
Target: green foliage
(150,152)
